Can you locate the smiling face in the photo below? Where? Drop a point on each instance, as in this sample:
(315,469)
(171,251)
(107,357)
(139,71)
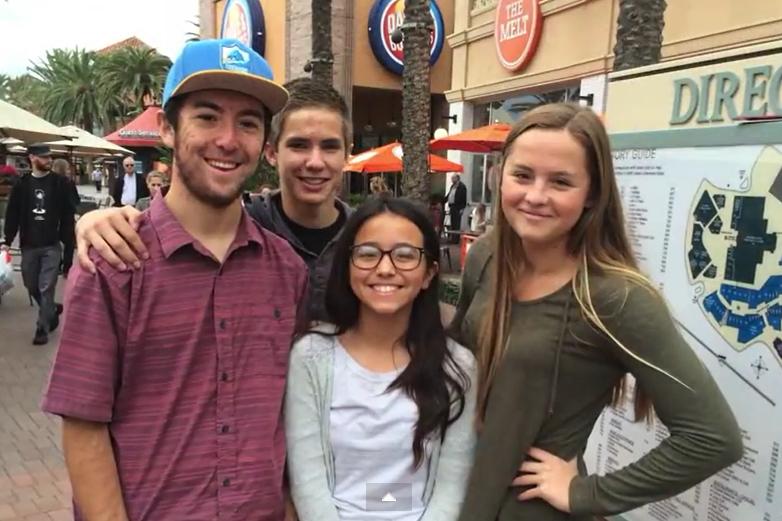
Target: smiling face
(217,144)
(545,186)
(386,289)
(309,155)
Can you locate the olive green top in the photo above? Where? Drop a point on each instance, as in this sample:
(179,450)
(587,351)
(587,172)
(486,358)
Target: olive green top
(557,376)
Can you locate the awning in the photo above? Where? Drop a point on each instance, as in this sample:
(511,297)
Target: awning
(388,158)
(27,127)
(86,143)
(141,132)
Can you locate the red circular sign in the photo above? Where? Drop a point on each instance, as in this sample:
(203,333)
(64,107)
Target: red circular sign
(517,28)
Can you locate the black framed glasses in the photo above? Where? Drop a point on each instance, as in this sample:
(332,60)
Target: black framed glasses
(403,256)
(129,165)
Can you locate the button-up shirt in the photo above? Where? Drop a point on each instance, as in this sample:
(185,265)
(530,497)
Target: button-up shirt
(129,189)
(185,361)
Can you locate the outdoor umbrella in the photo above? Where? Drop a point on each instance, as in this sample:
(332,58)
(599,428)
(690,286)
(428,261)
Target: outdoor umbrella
(141,132)
(388,158)
(481,140)
(27,127)
(86,143)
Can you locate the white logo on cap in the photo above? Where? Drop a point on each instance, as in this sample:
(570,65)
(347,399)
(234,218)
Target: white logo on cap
(233,58)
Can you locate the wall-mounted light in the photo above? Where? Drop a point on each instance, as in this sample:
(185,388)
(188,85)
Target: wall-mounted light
(397,36)
(440,133)
(589,98)
(453,118)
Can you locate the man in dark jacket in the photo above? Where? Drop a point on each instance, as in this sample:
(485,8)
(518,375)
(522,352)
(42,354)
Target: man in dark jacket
(41,209)
(129,187)
(457,201)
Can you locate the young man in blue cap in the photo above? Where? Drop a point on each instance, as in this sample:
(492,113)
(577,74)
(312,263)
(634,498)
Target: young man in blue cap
(40,209)
(170,378)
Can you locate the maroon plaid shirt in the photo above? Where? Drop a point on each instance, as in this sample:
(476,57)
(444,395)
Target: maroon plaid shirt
(185,360)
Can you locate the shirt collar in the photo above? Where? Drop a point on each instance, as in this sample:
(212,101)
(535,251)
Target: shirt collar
(173,236)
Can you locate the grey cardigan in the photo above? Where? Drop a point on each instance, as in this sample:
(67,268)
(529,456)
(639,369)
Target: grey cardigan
(311,464)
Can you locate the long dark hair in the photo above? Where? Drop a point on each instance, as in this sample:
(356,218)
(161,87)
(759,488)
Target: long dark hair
(432,379)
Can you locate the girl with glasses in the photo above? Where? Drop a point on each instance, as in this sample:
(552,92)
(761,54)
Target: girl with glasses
(559,314)
(380,405)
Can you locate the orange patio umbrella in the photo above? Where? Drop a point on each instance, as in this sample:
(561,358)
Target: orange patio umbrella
(388,158)
(481,140)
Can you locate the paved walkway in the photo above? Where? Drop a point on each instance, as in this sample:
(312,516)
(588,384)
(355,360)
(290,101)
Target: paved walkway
(33,480)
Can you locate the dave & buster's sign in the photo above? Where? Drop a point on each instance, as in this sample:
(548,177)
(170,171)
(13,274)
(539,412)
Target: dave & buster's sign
(243,20)
(517,28)
(387,15)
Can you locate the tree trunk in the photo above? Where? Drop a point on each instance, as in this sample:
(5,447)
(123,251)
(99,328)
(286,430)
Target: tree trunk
(416,100)
(322,57)
(639,33)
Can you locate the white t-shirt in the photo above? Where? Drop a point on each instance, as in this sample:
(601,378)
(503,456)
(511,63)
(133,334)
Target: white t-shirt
(371,433)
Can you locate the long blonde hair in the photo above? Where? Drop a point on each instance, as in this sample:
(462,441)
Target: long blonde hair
(598,238)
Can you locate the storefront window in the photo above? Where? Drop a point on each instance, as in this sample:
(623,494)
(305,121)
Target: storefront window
(483,4)
(484,166)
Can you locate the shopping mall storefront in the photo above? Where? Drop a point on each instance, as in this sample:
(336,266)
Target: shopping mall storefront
(511,55)
(367,62)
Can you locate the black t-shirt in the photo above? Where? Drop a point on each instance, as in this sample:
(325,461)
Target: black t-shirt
(43,217)
(314,239)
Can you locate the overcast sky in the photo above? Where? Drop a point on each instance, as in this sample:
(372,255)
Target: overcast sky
(28,28)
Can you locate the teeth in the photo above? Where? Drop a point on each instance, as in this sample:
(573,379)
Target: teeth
(222,164)
(384,289)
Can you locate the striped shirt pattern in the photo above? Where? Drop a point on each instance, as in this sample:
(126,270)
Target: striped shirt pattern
(185,360)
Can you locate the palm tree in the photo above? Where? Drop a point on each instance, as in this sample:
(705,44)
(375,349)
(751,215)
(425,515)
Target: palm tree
(322,62)
(5,85)
(72,93)
(137,74)
(195,34)
(416,100)
(25,91)
(639,33)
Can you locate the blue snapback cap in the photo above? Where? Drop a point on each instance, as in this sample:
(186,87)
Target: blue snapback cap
(225,64)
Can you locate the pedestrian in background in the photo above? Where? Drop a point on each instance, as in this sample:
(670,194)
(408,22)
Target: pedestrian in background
(63,168)
(555,306)
(97,178)
(378,187)
(156,181)
(130,186)
(457,201)
(40,208)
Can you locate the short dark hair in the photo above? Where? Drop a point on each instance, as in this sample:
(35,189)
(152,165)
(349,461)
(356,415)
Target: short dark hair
(174,107)
(433,379)
(306,93)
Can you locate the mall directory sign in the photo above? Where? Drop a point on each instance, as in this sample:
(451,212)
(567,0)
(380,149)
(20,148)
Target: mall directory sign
(387,15)
(244,21)
(517,28)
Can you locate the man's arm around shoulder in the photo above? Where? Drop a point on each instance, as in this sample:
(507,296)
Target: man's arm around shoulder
(93,470)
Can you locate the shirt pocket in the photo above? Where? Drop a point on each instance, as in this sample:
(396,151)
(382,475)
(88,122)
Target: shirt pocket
(273,330)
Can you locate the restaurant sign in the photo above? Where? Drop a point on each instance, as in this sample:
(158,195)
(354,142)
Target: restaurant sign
(243,20)
(517,28)
(384,17)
